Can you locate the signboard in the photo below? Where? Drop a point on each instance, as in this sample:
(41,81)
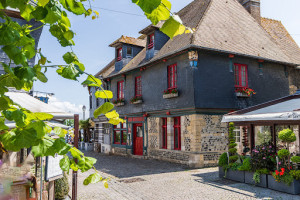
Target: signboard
(53,171)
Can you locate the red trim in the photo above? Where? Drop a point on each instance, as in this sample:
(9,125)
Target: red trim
(260,61)
(120,86)
(240,75)
(172,76)
(164,134)
(231,56)
(177,127)
(136,119)
(151,41)
(138,86)
(119,54)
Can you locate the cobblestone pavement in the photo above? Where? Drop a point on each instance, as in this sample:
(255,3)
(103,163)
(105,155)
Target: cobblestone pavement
(151,179)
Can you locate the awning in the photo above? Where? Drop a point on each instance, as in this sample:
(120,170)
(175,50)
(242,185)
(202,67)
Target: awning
(52,124)
(35,105)
(283,109)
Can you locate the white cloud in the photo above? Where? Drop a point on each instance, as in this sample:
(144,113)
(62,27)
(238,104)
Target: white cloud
(68,107)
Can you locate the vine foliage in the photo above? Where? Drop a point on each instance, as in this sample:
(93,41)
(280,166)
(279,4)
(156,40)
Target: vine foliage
(19,46)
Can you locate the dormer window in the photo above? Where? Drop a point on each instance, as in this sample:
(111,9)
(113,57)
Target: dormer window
(119,54)
(151,41)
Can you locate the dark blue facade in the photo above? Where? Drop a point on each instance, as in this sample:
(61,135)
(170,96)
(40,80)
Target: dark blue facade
(126,58)
(160,40)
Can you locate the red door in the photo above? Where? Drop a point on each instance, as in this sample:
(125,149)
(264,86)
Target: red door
(138,139)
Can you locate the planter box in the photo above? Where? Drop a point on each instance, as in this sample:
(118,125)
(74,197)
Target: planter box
(263,179)
(80,145)
(221,172)
(120,104)
(137,102)
(89,146)
(171,95)
(240,94)
(237,175)
(294,188)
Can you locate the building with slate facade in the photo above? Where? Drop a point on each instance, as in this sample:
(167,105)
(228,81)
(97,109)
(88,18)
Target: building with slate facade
(232,48)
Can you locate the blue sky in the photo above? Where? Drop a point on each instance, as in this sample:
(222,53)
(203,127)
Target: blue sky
(93,37)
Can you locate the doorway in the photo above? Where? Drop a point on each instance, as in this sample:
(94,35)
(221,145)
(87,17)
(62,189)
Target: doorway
(138,143)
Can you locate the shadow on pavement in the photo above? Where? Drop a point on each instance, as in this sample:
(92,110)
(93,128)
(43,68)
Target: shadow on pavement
(125,167)
(212,179)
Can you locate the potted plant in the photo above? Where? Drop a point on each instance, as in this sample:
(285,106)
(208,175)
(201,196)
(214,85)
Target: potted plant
(119,102)
(223,164)
(136,100)
(231,170)
(61,187)
(170,93)
(285,178)
(244,92)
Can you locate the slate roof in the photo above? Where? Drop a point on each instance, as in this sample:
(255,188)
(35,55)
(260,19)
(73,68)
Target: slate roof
(226,26)
(129,40)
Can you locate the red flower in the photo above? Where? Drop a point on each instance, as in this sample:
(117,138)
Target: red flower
(282,169)
(281,173)
(277,172)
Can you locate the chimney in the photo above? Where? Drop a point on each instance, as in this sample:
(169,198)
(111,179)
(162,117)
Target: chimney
(253,7)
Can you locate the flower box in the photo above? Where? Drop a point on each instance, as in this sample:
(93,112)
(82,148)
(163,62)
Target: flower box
(171,95)
(294,188)
(240,94)
(235,175)
(89,146)
(120,104)
(137,102)
(263,179)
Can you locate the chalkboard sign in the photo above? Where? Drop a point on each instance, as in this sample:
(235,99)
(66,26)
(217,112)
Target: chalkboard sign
(52,170)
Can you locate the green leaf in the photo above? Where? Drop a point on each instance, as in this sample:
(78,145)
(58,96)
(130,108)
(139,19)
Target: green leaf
(15,54)
(105,184)
(26,12)
(76,153)
(40,127)
(92,81)
(2,125)
(116,121)
(160,13)
(86,163)
(69,72)
(75,7)
(147,5)
(8,35)
(39,116)
(25,138)
(43,148)
(8,141)
(64,19)
(43,2)
(25,73)
(93,178)
(70,57)
(65,164)
(105,108)
(41,76)
(54,14)
(61,147)
(5,103)
(39,13)
(173,26)
(112,114)
(74,166)
(106,94)
(69,35)
(60,132)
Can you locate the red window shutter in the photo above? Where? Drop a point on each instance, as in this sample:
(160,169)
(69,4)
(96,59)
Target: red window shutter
(241,75)
(119,54)
(120,91)
(172,76)
(164,134)
(151,41)
(138,86)
(177,133)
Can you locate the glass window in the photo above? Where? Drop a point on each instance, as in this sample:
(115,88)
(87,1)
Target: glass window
(151,41)
(129,52)
(177,134)
(120,90)
(241,76)
(119,54)
(237,134)
(120,134)
(172,76)
(117,137)
(262,135)
(138,86)
(164,133)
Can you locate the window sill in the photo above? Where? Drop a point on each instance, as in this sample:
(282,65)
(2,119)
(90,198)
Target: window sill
(137,102)
(119,104)
(240,94)
(171,95)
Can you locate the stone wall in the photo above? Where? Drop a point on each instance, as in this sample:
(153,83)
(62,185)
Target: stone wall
(203,139)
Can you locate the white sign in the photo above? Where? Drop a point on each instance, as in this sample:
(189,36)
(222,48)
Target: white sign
(53,170)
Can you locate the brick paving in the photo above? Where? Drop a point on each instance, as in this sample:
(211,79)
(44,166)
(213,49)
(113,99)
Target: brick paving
(133,179)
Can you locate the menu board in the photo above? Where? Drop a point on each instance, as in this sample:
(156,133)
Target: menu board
(53,170)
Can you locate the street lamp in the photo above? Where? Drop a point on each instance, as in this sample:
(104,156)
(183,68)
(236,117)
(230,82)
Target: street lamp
(83,109)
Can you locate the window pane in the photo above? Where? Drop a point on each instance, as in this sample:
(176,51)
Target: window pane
(124,137)
(176,135)
(164,137)
(124,125)
(129,51)
(262,135)
(117,136)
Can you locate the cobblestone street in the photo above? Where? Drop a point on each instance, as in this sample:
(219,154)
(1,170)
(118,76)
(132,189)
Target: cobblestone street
(150,179)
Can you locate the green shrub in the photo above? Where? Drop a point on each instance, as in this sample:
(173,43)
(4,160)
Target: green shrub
(295,174)
(61,187)
(233,159)
(263,171)
(232,151)
(256,177)
(246,166)
(283,153)
(223,160)
(287,135)
(295,159)
(232,145)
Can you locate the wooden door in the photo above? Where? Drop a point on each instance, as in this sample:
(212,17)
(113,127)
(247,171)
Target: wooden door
(138,139)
